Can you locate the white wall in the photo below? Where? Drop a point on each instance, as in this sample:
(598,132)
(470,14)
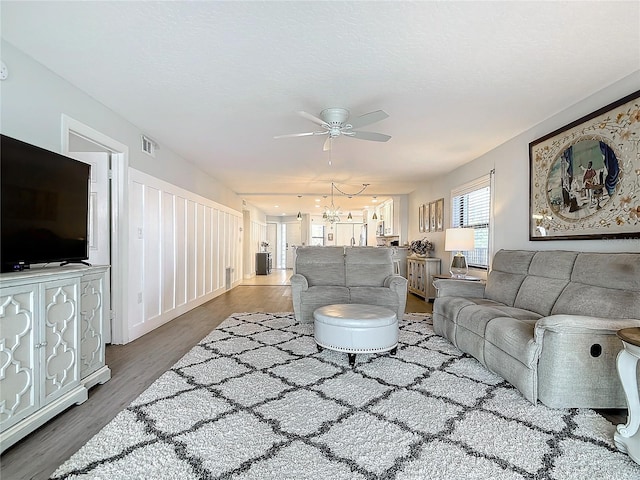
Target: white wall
(511,163)
(34,99)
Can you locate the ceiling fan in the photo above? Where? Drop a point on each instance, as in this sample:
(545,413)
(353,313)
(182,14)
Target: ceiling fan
(334,123)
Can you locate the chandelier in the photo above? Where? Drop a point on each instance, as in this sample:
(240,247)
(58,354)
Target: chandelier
(330,213)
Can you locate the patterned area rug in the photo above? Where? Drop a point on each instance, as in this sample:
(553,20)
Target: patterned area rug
(256,400)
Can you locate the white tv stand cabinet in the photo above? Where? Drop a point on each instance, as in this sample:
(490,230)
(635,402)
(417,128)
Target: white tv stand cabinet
(52,347)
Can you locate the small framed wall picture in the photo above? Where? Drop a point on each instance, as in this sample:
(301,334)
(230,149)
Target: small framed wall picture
(421,218)
(427,224)
(440,215)
(432,216)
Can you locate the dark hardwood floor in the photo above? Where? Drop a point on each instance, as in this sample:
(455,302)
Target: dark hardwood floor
(134,367)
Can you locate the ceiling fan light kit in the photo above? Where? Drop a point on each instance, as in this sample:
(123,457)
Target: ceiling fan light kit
(334,121)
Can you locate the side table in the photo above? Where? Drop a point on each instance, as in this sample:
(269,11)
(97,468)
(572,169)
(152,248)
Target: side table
(449,277)
(627,436)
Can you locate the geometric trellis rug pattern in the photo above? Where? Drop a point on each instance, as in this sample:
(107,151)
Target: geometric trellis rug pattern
(256,400)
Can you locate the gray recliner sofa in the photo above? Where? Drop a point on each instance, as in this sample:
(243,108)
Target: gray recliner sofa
(546,322)
(332,275)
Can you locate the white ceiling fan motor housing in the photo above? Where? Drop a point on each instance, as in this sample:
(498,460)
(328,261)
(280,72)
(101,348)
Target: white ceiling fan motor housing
(335,118)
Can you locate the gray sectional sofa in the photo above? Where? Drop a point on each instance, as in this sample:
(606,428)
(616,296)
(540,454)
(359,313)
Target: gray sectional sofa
(332,275)
(546,321)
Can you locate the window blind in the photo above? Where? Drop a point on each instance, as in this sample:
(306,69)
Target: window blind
(471,208)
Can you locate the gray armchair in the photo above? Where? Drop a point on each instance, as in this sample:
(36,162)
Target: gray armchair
(332,275)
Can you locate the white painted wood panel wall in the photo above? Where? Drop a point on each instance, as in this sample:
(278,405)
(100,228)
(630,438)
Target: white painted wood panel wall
(181,248)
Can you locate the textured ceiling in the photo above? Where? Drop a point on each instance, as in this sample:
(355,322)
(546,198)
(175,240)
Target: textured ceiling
(216,81)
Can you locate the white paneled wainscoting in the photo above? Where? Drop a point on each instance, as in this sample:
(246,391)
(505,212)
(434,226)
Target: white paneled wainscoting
(184,250)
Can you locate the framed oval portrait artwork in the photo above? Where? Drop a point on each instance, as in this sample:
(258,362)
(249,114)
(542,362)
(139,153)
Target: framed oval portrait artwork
(585,177)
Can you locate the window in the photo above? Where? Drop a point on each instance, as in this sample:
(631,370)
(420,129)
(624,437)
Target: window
(471,208)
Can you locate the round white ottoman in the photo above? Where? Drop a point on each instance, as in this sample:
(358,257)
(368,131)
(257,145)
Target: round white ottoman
(355,328)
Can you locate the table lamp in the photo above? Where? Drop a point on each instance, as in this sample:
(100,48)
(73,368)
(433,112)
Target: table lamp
(458,240)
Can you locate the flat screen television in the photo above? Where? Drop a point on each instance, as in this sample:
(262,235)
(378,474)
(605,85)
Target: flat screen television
(44,206)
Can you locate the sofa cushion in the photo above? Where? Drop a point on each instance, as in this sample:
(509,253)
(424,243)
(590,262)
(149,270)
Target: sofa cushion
(368,267)
(539,294)
(473,322)
(553,264)
(602,285)
(322,266)
(476,317)
(620,270)
(450,307)
(509,267)
(503,287)
(373,296)
(549,273)
(325,295)
(320,296)
(578,299)
(513,261)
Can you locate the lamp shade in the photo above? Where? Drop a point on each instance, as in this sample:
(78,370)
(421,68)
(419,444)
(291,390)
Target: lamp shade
(459,239)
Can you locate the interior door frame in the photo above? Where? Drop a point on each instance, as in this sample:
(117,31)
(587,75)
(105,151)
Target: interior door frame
(119,182)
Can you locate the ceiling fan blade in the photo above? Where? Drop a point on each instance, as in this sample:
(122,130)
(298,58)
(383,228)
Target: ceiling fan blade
(376,137)
(306,134)
(289,135)
(368,119)
(327,144)
(313,118)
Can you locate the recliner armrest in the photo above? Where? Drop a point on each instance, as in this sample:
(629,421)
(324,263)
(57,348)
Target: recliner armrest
(395,281)
(578,324)
(299,282)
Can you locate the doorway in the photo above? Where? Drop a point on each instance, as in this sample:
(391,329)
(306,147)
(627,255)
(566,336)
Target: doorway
(108,224)
(292,233)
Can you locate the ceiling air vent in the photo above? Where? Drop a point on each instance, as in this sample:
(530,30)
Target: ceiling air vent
(148,146)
